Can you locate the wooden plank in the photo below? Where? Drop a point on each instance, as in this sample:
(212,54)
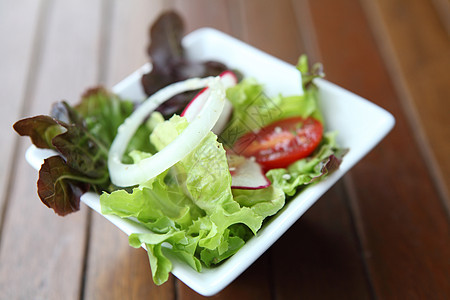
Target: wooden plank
(443,10)
(299,260)
(114,269)
(254,283)
(16,54)
(416,46)
(204,13)
(398,212)
(247,23)
(127,37)
(319,256)
(271,27)
(42,254)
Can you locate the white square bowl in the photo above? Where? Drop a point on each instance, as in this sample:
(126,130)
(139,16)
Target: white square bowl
(360,124)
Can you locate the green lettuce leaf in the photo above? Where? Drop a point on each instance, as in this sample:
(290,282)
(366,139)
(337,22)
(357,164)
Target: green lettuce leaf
(254,109)
(159,263)
(156,205)
(233,244)
(191,206)
(207,181)
(322,162)
(264,202)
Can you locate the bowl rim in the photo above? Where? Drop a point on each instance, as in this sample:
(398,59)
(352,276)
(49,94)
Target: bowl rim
(212,280)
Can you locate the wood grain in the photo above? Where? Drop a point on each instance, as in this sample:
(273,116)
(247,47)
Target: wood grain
(18,38)
(114,270)
(381,232)
(254,283)
(394,199)
(204,13)
(271,27)
(297,257)
(319,257)
(127,38)
(42,254)
(117,271)
(416,48)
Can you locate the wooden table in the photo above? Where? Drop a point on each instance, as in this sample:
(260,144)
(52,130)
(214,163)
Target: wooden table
(381,232)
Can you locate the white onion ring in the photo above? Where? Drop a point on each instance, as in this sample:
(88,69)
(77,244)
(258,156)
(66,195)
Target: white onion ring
(124,175)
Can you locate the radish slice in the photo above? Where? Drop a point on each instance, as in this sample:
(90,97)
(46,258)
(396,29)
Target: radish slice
(228,79)
(194,106)
(246,173)
(124,175)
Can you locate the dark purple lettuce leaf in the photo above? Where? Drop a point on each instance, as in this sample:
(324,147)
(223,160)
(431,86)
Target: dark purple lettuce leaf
(83,161)
(82,135)
(82,151)
(41,130)
(165,37)
(331,163)
(169,63)
(59,186)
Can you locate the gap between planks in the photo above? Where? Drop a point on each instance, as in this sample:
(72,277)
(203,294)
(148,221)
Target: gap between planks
(304,19)
(387,51)
(30,86)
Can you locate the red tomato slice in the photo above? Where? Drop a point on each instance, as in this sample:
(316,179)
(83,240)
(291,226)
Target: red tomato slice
(281,143)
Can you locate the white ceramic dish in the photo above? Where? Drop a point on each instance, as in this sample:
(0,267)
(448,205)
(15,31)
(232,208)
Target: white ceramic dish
(360,123)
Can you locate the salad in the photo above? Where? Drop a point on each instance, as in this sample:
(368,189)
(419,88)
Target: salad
(203,163)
